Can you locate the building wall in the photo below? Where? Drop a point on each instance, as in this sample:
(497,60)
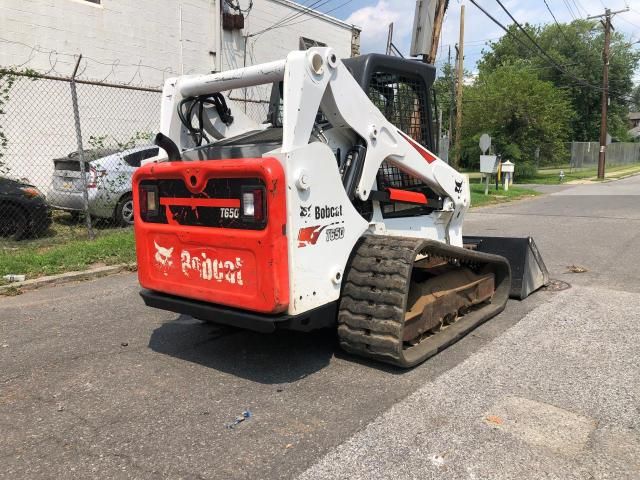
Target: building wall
(256,43)
(126,41)
(149,40)
(117,31)
(276,43)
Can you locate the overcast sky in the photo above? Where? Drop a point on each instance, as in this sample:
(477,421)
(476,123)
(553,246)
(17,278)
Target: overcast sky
(374,16)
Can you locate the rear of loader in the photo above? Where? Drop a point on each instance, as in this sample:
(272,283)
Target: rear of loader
(327,215)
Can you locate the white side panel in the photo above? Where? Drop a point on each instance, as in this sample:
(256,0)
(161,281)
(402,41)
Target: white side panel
(322,227)
(433,226)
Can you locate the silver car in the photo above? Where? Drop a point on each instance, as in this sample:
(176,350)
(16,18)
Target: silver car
(108,176)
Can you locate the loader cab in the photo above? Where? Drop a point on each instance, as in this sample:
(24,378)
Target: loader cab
(400,88)
(402,91)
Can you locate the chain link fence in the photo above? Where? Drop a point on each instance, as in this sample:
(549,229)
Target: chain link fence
(68,150)
(254,101)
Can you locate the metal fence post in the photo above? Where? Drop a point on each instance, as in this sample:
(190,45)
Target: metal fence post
(76,118)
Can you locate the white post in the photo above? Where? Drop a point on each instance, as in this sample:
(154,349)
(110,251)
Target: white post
(507,170)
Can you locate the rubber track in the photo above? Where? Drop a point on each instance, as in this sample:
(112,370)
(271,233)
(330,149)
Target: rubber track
(374,296)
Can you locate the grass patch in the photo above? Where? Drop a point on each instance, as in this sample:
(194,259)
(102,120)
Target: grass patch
(68,249)
(551,176)
(108,248)
(478,198)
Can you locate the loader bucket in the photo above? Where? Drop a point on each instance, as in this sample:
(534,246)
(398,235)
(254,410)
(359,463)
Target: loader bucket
(528,271)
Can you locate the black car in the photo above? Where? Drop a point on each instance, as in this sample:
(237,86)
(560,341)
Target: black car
(23,210)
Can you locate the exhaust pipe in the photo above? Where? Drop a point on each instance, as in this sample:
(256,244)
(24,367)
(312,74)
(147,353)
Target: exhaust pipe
(168,146)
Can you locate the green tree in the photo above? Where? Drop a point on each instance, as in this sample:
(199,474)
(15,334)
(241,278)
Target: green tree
(635,99)
(577,47)
(442,86)
(520,111)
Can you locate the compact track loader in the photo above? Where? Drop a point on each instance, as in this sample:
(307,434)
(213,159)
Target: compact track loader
(334,212)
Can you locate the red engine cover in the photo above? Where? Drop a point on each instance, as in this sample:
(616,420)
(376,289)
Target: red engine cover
(247,269)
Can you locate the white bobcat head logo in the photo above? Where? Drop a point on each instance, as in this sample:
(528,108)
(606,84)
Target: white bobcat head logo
(163,255)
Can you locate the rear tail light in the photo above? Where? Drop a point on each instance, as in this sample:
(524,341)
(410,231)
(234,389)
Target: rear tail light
(94,174)
(253,204)
(149,201)
(92,182)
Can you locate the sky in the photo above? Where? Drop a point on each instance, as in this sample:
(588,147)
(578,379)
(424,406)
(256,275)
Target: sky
(374,16)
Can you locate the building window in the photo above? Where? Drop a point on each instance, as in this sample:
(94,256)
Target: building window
(307,43)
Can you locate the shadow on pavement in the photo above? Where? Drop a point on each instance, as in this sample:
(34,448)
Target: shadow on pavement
(281,357)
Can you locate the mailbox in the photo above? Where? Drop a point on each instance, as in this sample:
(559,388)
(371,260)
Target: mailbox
(508,167)
(488,164)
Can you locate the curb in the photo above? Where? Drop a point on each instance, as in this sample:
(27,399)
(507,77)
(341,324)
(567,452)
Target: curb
(67,277)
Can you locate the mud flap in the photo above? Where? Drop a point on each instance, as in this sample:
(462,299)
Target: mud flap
(528,271)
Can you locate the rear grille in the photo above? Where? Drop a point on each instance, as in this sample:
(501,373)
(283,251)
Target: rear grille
(177,203)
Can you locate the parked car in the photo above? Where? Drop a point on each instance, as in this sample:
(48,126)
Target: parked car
(23,210)
(108,176)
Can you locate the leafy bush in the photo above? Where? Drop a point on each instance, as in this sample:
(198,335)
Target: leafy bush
(525,170)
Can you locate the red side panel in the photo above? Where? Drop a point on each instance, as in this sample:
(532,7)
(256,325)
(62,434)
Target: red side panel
(241,268)
(406,196)
(419,148)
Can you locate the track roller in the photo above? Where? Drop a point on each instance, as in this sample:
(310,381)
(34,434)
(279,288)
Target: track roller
(405,299)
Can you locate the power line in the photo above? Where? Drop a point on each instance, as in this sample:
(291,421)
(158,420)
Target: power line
(292,16)
(579,7)
(542,53)
(566,4)
(236,6)
(284,19)
(558,25)
(630,23)
(325,13)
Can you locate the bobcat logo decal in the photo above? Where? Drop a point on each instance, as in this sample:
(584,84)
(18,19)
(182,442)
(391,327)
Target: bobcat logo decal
(458,187)
(305,211)
(163,257)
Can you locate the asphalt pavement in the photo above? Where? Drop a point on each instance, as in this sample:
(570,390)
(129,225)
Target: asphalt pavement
(95,385)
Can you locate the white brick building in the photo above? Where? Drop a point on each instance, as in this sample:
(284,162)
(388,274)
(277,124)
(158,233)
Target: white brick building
(140,43)
(163,36)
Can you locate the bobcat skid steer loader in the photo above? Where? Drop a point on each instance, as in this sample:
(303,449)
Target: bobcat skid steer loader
(334,212)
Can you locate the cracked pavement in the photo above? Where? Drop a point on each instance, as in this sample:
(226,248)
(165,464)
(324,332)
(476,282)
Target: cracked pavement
(95,385)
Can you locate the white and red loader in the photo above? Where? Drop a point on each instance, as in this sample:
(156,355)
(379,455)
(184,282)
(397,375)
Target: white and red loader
(333,212)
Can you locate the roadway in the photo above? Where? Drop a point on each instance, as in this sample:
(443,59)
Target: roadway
(94,384)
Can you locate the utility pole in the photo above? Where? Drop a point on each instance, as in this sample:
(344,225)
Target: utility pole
(427,27)
(460,75)
(452,101)
(389,39)
(606,23)
(441,8)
